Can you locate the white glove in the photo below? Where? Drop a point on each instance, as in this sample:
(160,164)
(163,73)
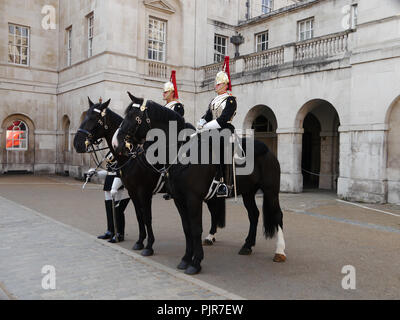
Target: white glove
(212,125)
(117,183)
(201,123)
(91,172)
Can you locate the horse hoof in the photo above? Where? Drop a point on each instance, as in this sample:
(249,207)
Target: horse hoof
(245,251)
(138,246)
(147,252)
(183,265)
(191,270)
(208,242)
(279,257)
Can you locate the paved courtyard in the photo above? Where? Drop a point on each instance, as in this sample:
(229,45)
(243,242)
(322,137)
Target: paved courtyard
(50,220)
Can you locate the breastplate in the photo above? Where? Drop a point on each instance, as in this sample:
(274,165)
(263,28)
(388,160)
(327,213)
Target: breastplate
(218,105)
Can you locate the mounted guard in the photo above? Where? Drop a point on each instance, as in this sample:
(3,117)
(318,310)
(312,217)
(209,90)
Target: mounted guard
(219,115)
(171,96)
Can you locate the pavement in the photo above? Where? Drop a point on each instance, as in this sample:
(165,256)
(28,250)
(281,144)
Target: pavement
(50,220)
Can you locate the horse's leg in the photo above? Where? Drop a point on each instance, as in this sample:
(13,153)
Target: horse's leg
(187,258)
(196,226)
(280,255)
(273,223)
(210,239)
(142,230)
(253,213)
(147,217)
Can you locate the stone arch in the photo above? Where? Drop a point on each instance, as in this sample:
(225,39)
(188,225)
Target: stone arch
(262,120)
(319,121)
(66,127)
(393,151)
(18,160)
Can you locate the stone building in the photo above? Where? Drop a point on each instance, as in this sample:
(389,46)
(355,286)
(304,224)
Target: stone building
(318,80)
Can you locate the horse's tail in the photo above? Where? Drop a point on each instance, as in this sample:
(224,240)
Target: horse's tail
(270,176)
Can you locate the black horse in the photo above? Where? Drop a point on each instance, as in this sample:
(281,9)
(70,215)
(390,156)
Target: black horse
(190,184)
(101,122)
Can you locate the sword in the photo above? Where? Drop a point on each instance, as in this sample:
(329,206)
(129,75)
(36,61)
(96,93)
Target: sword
(88,179)
(114,220)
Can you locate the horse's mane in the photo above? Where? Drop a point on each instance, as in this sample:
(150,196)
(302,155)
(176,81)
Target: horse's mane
(158,112)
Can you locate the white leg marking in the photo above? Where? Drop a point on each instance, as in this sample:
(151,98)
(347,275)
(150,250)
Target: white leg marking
(280,242)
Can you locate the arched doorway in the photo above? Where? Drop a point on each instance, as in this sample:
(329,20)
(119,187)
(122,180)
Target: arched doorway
(19,144)
(393,153)
(311,153)
(320,144)
(263,121)
(66,144)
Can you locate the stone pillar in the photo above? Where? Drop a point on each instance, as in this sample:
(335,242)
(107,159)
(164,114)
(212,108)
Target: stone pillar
(363,164)
(289,156)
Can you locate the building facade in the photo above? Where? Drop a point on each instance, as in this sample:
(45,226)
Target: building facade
(318,80)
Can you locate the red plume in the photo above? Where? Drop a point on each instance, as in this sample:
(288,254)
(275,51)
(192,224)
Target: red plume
(173,80)
(226,69)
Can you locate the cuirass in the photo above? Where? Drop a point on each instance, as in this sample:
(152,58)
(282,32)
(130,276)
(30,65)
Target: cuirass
(218,105)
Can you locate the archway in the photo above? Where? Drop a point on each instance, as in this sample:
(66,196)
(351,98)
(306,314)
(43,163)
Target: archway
(393,153)
(320,144)
(263,121)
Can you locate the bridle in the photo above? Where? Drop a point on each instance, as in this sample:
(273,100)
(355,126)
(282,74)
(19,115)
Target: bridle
(140,119)
(92,146)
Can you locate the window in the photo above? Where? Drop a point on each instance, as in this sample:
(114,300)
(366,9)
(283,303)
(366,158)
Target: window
(306,29)
(267,6)
(354,16)
(18,45)
(157,39)
(262,41)
(69,46)
(220,48)
(90,19)
(17,136)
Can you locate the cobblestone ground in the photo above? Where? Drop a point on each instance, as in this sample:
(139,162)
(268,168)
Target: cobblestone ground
(86,268)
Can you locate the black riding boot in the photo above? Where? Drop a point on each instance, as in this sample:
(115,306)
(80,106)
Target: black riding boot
(120,219)
(110,222)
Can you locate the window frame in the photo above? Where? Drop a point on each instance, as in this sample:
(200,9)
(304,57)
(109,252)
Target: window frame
(155,43)
(26,139)
(354,16)
(217,53)
(90,34)
(267,6)
(15,45)
(69,46)
(311,30)
(266,32)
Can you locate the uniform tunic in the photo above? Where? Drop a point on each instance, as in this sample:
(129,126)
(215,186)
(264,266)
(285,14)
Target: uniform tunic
(222,109)
(177,107)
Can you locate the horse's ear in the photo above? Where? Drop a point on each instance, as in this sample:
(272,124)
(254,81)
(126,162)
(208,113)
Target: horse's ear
(134,99)
(90,102)
(131,96)
(106,104)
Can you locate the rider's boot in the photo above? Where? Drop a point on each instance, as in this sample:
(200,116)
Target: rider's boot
(120,219)
(110,222)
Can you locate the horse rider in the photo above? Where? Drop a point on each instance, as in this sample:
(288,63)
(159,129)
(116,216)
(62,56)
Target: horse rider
(113,189)
(219,115)
(170,95)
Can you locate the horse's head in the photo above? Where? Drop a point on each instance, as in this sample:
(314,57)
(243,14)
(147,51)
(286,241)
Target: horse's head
(93,127)
(134,127)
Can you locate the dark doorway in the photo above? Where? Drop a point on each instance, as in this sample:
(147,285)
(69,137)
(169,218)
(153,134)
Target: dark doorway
(311,154)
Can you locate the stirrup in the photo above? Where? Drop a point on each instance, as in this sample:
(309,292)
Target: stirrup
(222,191)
